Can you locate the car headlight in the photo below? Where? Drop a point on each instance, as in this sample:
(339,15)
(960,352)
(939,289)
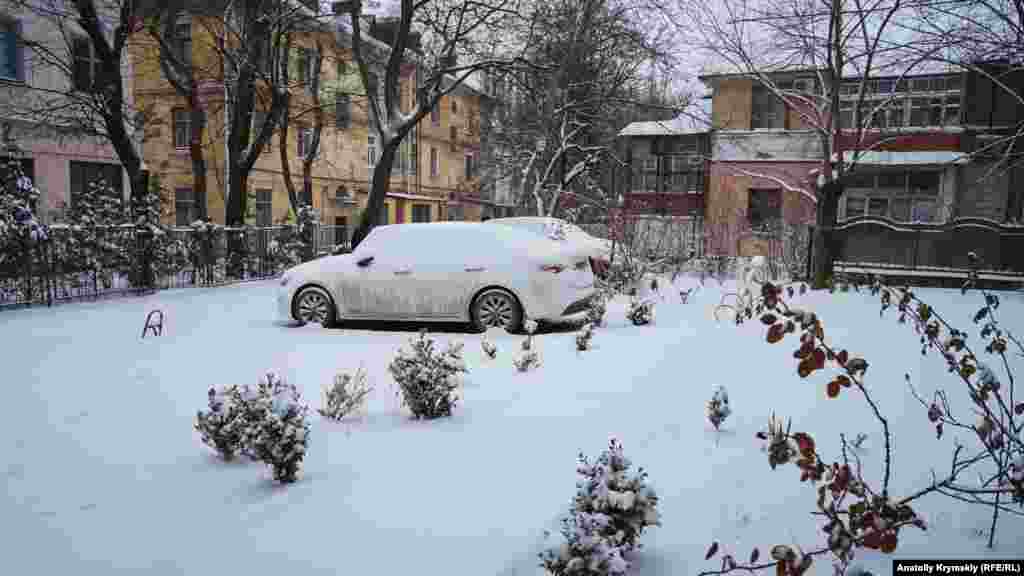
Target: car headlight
(285,280)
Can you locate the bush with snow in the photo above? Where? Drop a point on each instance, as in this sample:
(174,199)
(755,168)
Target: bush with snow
(718,407)
(277,428)
(583,337)
(489,349)
(611,509)
(597,308)
(347,395)
(223,427)
(427,377)
(526,360)
(641,312)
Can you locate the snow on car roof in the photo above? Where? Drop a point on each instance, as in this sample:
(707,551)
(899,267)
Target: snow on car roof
(534,247)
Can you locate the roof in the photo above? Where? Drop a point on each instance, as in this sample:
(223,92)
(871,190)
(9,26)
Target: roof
(696,121)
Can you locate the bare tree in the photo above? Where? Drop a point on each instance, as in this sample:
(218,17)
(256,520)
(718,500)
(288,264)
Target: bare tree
(588,60)
(311,148)
(454,39)
(829,39)
(86,48)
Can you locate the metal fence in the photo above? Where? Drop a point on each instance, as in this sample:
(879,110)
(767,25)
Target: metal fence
(74,263)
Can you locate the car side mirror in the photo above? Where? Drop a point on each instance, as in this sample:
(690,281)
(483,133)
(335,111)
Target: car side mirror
(364,262)
(340,249)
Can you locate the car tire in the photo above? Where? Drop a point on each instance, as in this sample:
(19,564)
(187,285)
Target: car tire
(314,304)
(495,307)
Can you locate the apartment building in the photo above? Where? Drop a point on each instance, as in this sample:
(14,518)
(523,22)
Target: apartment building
(927,184)
(433,178)
(55,154)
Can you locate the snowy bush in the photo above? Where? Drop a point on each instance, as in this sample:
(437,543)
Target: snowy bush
(641,312)
(584,336)
(611,509)
(427,377)
(489,349)
(718,407)
(527,360)
(346,395)
(277,428)
(19,230)
(223,427)
(596,310)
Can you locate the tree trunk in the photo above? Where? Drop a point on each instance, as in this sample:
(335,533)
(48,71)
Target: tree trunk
(378,192)
(824,246)
(195,149)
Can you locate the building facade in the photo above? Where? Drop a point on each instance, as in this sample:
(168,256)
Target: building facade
(433,177)
(60,159)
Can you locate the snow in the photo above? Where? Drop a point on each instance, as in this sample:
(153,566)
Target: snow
(915,158)
(105,475)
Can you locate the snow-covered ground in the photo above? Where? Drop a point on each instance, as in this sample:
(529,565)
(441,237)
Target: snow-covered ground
(104,473)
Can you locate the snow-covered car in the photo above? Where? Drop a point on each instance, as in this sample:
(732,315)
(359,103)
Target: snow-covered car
(598,250)
(490,276)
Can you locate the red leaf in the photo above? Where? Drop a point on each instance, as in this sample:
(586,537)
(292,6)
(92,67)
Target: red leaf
(776,333)
(844,380)
(805,367)
(889,542)
(842,357)
(819,359)
(711,551)
(833,389)
(780,568)
(805,443)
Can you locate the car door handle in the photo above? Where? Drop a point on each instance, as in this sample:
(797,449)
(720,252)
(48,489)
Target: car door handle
(402,272)
(475,269)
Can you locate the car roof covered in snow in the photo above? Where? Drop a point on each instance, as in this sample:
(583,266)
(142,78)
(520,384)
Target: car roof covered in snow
(425,241)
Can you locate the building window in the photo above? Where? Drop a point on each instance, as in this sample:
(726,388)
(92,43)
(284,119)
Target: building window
(421,212)
(435,115)
(902,196)
(10,51)
(304,141)
(341,230)
(371,150)
(926,101)
(469,166)
(86,66)
(188,207)
(82,174)
(435,168)
(342,111)
(264,207)
(453,135)
(455,106)
(181,43)
(305,61)
(414,151)
(765,207)
(767,110)
(182,128)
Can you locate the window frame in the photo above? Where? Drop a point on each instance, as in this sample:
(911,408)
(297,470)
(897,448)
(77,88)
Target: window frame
(435,162)
(92,61)
(86,172)
(177,124)
(772,207)
(15,51)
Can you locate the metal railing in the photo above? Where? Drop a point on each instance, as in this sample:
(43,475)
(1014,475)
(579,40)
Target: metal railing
(74,262)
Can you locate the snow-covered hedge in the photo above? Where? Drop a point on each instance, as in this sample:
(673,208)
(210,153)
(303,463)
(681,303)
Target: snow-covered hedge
(597,308)
(427,377)
(640,312)
(266,423)
(346,395)
(584,336)
(278,431)
(612,508)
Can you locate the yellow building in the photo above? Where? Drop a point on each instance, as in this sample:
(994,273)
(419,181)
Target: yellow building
(434,177)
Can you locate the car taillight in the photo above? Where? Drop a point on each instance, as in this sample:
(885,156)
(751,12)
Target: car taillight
(553,268)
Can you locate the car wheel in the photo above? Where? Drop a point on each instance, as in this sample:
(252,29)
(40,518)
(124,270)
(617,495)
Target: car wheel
(313,304)
(496,308)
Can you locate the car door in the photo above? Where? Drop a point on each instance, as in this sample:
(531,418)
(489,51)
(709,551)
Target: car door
(377,284)
(436,274)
